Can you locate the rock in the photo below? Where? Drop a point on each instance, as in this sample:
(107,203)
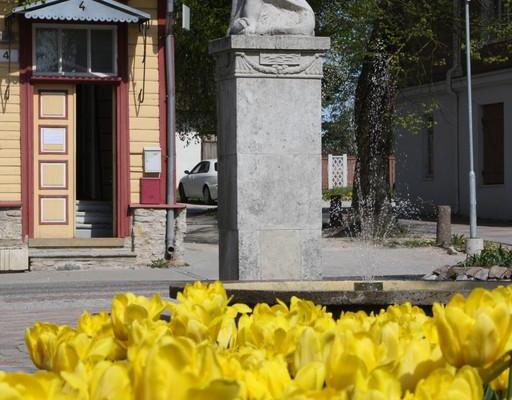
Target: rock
(451,251)
(458,271)
(482,275)
(472,272)
(462,277)
(445,273)
(508,274)
(498,272)
(431,277)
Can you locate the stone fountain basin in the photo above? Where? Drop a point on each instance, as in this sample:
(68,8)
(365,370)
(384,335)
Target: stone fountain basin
(344,295)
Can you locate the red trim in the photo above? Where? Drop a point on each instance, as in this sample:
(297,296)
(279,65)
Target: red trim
(178,206)
(123,135)
(75,79)
(66,197)
(10,204)
(53,162)
(162,93)
(27,139)
(26,113)
(66,110)
(41,152)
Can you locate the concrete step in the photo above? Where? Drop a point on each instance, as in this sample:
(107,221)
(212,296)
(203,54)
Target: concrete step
(93,233)
(69,259)
(100,214)
(94,219)
(73,252)
(95,225)
(95,206)
(94,243)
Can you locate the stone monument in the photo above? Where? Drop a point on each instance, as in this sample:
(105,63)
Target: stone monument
(269,71)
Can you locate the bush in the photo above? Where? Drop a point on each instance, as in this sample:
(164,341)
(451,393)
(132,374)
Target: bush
(345,193)
(489,257)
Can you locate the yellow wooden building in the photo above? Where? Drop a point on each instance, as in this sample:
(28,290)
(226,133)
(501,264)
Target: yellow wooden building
(84,133)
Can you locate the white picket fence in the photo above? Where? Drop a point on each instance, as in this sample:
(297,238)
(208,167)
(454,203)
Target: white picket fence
(337,171)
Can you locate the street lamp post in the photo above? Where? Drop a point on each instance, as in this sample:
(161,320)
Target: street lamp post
(473,244)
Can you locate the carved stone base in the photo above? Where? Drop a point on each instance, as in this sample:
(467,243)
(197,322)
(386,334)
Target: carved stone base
(269,145)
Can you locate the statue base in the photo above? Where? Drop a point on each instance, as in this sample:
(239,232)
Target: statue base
(269,150)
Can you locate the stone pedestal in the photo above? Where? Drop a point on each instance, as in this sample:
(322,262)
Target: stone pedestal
(269,149)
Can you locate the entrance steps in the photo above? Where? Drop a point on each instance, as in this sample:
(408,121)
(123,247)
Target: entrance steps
(93,219)
(79,254)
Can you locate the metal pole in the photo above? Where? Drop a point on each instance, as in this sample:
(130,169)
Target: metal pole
(472,178)
(171,124)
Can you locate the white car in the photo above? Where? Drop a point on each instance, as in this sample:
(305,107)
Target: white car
(200,183)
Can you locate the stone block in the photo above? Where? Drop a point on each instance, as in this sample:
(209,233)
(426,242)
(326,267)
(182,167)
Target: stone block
(269,124)
(10,224)
(148,234)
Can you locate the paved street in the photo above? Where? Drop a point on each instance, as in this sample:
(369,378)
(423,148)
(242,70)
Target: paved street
(61,296)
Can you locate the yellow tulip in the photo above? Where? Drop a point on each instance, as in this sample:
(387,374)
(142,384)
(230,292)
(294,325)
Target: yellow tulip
(94,325)
(110,381)
(127,308)
(311,377)
(39,386)
(417,360)
(380,385)
(446,384)
(473,331)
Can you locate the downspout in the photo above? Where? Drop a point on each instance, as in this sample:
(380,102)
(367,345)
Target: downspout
(455,68)
(171,123)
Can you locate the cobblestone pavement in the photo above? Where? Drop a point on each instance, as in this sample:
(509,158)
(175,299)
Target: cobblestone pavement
(62,303)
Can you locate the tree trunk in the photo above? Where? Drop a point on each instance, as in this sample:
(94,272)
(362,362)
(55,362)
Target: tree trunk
(374,106)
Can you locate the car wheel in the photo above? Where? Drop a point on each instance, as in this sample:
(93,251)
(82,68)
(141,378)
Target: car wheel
(183,196)
(207,198)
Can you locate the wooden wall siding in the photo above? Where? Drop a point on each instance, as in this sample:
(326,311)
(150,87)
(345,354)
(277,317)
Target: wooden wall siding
(10,137)
(144,118)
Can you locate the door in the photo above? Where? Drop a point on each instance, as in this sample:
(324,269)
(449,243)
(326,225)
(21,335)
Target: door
(54,161)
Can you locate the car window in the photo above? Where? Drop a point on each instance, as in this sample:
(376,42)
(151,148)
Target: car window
(215,166)
(205,166)
(196,168)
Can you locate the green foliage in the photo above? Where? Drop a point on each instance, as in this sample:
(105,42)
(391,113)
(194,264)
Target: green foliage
(458,242)
(489,257)
(159,263)
(195,69)
(345,193)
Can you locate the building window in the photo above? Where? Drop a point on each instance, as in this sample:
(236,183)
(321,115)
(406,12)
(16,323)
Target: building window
(429,147)
(60,50)
(493,144)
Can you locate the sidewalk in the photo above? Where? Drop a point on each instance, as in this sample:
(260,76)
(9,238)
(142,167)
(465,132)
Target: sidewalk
(494,233)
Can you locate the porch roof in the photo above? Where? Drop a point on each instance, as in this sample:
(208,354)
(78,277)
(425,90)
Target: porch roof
(82,11)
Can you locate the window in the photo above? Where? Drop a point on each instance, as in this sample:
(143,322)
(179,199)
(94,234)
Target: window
(429,147)
(201,168)
(75,51)
(205,166)
(195,170)
(493,144)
